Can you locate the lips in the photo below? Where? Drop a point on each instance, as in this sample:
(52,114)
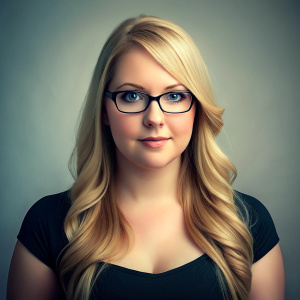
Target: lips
(151,138)
(154,142)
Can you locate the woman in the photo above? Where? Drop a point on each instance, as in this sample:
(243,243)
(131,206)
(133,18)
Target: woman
(152,213)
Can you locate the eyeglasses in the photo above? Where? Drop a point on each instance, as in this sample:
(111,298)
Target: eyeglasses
(131,102)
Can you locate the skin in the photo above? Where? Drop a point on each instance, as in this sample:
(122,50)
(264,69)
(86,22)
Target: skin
(268,279)
(29,278)
(138,70)
(146,192)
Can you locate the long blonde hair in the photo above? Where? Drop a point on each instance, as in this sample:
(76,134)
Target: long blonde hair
(94,225)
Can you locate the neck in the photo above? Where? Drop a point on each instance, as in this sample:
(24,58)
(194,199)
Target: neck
(147,187)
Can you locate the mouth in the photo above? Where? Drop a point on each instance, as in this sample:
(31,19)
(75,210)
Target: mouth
(158,138)
(154,142)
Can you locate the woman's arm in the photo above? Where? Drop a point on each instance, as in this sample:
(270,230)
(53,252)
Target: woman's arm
(268,277)
(29,278)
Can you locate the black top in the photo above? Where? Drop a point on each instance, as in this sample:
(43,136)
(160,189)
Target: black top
(43,235)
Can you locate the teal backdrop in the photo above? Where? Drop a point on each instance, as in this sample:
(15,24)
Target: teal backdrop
(47,53)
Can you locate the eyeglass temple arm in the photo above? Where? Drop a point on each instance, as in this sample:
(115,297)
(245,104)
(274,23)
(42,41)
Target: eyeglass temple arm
(108,94)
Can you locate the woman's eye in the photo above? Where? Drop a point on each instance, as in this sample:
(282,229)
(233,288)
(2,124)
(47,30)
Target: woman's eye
(175,96)
(131,96)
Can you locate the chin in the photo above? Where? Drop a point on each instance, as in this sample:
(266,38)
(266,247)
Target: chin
(149,161)
(158,163)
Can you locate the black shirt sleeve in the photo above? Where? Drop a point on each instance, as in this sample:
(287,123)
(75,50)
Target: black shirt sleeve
(42,230)
(260,224)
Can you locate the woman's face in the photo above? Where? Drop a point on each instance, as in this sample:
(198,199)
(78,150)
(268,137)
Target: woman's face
(153,138)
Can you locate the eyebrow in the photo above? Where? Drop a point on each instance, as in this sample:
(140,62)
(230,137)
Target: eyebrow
(141,88)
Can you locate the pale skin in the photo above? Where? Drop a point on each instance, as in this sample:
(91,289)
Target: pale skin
(147,192)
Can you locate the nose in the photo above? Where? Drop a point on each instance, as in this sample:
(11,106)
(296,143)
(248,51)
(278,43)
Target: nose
(154,116)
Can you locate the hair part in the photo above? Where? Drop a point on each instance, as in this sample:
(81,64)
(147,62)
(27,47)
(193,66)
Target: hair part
(94,224)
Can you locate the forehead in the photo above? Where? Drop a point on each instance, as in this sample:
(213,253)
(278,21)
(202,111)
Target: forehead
(140,68)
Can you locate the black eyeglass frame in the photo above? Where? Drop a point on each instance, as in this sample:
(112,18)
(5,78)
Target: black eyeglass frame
(113,97)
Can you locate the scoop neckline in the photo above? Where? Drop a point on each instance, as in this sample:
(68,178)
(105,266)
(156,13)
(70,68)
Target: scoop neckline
(155,275)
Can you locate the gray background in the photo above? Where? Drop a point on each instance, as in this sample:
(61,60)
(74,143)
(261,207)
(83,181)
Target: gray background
(47,54)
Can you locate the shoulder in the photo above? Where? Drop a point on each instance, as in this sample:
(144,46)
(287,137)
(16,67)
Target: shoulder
(49,210)
(250,207)
(259,222)
(48,206)
(42,231)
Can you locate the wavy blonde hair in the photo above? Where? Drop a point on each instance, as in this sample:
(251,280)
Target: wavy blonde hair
(95,226)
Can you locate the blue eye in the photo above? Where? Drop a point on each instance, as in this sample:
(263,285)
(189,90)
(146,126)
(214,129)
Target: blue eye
(131,96)
(175,97)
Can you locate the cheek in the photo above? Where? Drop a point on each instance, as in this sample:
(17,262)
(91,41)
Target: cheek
(122,126)
(182,125)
